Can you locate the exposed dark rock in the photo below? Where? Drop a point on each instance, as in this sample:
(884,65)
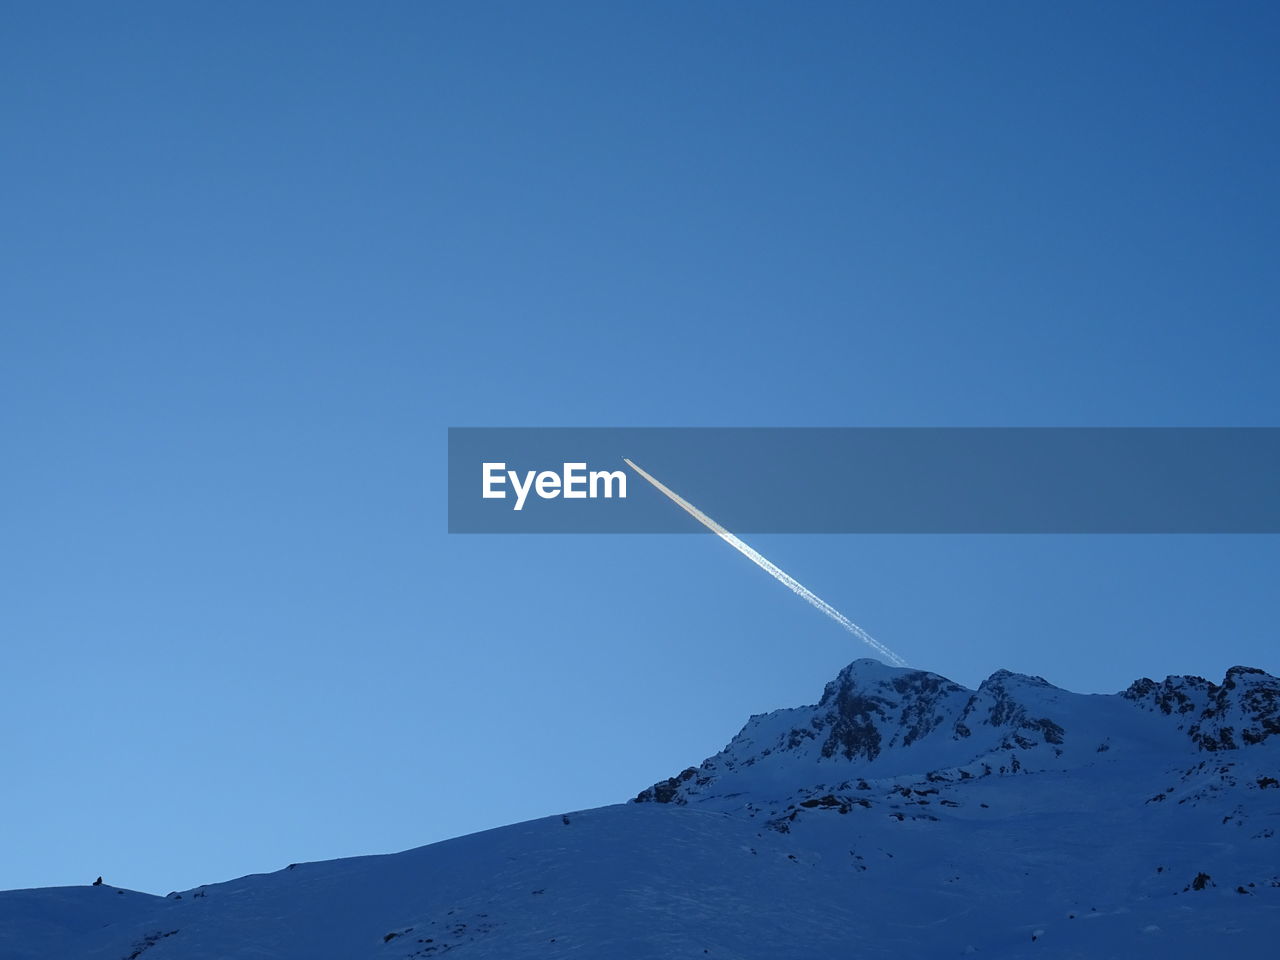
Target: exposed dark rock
(667,790)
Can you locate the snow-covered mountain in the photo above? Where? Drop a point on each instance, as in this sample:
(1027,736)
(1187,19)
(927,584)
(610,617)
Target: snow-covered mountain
(903,815)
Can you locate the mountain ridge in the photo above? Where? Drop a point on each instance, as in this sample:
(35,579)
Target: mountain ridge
(901,814)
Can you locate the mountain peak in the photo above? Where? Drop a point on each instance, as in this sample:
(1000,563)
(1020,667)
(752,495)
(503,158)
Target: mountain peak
(866,674)
(875,721)
(1003,676)
(1243,710)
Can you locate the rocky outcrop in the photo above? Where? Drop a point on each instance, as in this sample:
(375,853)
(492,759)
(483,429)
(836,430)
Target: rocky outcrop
(1243,710)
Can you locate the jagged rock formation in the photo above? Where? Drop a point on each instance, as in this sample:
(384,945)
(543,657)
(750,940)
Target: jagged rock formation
(881,736)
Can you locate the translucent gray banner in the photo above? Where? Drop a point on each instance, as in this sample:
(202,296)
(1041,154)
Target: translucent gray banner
(866,480)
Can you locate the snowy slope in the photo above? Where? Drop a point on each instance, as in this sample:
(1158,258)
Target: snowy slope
(900,816)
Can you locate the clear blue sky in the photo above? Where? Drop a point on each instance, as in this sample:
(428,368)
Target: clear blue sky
(257,258)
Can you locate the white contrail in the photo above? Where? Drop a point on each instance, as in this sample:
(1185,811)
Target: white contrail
(794,585)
